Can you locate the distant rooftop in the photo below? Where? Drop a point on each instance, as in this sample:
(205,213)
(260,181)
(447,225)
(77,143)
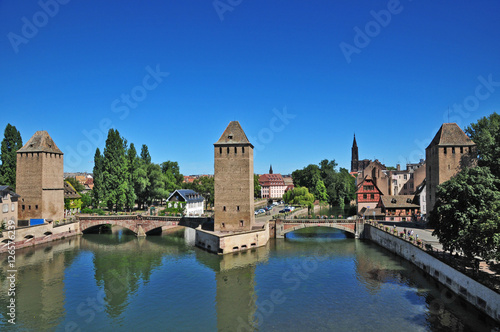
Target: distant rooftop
(233,134)
(40,142)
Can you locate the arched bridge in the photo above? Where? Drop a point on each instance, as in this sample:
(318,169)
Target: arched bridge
(138,224)
(353,226)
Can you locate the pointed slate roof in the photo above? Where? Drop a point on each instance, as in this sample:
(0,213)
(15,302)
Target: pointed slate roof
(354,144)
(450,134)
(233,134)
(40,142)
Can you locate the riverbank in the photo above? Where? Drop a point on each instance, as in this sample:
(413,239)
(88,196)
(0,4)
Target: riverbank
(464,287)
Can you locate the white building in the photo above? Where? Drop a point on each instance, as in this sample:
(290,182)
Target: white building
(272,186)
(194,201)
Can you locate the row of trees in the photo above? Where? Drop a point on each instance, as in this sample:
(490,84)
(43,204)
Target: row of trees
(11,142)
(325,183)
(466,215)
(123,179)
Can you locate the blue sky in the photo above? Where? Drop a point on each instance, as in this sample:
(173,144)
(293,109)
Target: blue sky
(301,76)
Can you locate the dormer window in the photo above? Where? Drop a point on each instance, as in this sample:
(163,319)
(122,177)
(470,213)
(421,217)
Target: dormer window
(230,136)
(393,201)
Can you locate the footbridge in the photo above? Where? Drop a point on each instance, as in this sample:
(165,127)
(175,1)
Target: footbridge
(139,224)
(352,226)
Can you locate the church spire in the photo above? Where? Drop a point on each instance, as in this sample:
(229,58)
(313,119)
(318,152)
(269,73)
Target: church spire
(354,156)
(271,169)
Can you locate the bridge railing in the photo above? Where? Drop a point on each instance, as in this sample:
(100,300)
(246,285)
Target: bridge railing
(123,217)
(318,221)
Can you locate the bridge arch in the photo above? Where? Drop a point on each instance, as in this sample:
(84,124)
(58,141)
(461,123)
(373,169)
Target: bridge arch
(283,226)
(334,226)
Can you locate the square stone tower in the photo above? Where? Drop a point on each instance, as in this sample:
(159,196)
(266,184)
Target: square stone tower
(233,181)
(40,179)
(449,152)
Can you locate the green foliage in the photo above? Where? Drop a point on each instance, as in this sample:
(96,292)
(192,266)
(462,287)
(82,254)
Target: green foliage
(115,175)
(256,186)
(466,215)
(340,185)
(172,167)
(11,142)
(486,134)
(86,200)
(98,190)
(88,210)
(299,196)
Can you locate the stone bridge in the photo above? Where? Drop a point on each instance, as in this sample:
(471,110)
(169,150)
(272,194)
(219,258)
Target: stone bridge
(352,226)
(138,224)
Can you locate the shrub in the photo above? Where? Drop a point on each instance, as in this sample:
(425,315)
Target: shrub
(402,234)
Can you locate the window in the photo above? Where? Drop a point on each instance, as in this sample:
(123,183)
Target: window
(372,196)
(461,149)
(453,150)
(405,177)
(238,208)
(223,225)
(228,149)
(241,223)
(223,208)
(243,149)
(404,186)
(230,136)
(220,150)
(364,196)
(13,208)
(23,208)
(444,150)
(29,207)
(235,150)
(5,208)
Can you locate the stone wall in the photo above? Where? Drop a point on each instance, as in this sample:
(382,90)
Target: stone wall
(33,235)
(483,298)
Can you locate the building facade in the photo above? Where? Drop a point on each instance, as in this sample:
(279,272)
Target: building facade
(367,194)
(194,201)
(40,179)
(399,208)
(233,181)
(449,152)
(8,202)
(272,186)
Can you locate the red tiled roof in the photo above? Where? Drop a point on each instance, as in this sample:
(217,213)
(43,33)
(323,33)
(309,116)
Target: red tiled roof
(267,180)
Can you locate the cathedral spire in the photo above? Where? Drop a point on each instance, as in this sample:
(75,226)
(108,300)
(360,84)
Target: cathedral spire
(271,169)
(354,156)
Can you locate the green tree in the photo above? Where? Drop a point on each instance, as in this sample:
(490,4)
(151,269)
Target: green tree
(466,215)
(11,142)
(204,185)
(256,186)
(486,134)
(172,167)
(97,191)
(305,176)
(86,200)
(319,189)
(300,196)
(115,175)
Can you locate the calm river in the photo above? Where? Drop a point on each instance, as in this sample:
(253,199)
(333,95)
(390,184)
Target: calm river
(317,280)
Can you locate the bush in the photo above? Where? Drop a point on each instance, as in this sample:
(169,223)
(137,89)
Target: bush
(90,211)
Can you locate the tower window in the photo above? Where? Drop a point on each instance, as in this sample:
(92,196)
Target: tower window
(223,208)
(444,150)
(29,207)
(461,149)
(228,149)
(220,150)
(241,223)
(235,150)
(23,207)
(238,208)
(36,207)
(243,149)
(230,136)
(223,225)
(453,150)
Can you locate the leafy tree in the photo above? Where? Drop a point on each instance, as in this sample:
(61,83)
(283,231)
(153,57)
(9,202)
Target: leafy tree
(204,185)
(320,189)
(256,186)
(76,185)
(300,196)
(11,142)
(172,167)
(304,177)
(86,200)
(486,134)
(145,154)
(115,175)
(466,215)
(97,191)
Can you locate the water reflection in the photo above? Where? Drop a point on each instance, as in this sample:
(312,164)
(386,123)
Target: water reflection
(327,281)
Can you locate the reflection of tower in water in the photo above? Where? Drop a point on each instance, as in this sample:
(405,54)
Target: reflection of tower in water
(235,277)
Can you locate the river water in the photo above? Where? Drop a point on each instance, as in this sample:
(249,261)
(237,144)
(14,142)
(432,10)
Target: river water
(315,280)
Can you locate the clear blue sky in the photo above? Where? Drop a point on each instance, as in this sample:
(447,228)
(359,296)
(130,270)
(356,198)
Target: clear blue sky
(69,68)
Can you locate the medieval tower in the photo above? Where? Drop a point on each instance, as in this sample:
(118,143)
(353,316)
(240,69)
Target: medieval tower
(449,152)
(39,179)
(233,181)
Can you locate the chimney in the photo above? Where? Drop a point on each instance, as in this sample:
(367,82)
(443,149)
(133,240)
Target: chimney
(398,167)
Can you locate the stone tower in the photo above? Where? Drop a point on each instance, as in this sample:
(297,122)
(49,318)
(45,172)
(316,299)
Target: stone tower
(233,181)
(354,155)
(450,151)
(39,179)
